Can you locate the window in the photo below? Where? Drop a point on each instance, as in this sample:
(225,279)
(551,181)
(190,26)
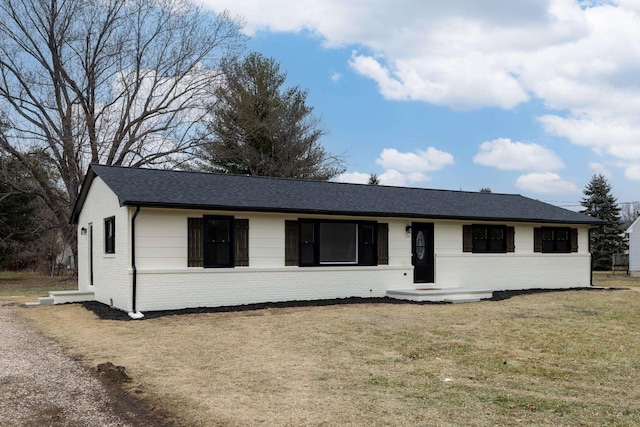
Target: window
(323,242)
(338,242)
(110,235)
(555,240)
(479,238)
(218,241)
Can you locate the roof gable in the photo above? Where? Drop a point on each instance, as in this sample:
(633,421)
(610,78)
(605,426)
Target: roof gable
(208,191)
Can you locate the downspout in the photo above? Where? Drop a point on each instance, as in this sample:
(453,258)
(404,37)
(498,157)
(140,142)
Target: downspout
(134,314)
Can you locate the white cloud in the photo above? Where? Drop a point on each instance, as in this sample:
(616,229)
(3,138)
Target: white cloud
(335,77)
(393,177)
(505,154)
(353,177)
(389,177)
(546,183)
(428,160)
(580,57)
(403,169)
(633,172)
(400,179)
(604,134)
(600,169)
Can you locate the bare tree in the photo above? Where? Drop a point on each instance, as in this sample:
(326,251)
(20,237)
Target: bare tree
(629,212)
(109,81)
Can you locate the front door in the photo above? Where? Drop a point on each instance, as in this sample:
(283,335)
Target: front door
(422,252)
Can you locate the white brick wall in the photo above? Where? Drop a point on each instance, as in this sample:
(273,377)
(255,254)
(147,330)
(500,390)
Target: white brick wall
(513,271)
(161,290)
(521,269)
(165,282)
(634,248)
(110,271)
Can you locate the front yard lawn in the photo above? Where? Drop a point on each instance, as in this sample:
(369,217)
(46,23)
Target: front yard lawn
(557,359)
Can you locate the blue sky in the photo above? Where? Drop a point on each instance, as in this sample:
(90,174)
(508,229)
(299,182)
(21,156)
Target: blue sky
(528,97)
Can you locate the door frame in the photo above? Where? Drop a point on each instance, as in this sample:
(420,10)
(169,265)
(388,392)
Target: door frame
(423,272)
(90,254)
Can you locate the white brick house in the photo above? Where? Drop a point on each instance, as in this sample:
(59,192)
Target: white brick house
(155,240)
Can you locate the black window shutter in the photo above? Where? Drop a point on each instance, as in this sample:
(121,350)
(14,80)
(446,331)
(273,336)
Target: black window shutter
(574,240)
(195,241)
(511,239)
(467,238)
(383,243)
(241,242)
(537,239)
(291,243)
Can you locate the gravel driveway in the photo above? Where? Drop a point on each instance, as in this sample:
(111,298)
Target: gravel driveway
(41,386)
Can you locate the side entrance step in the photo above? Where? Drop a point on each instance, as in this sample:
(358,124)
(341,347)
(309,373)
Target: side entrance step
(45,300)
(453,295)
(62,297)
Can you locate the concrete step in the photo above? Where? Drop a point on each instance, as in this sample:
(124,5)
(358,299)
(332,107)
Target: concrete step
(62,297)
(45,300)
(453,295)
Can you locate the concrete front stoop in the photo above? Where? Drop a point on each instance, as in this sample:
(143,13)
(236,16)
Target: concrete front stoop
(452,295)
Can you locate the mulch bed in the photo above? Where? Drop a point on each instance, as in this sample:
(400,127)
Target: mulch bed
(105,312)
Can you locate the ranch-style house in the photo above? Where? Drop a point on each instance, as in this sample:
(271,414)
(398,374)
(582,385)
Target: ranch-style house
(158,240)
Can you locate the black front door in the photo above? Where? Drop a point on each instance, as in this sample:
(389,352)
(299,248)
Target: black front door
(422,252)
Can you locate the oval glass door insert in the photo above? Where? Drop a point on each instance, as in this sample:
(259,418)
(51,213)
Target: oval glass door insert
(420,246)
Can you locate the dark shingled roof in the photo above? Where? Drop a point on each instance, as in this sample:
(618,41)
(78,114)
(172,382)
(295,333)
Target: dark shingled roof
(194,190)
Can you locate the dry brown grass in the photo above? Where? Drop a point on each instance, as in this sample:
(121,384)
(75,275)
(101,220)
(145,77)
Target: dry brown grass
(615,280)
(569,358)
(23,286)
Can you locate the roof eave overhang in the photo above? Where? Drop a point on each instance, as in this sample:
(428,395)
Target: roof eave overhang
(82,196)
(348,213)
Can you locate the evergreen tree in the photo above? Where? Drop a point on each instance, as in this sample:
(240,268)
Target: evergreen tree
(374,179)
(606,239)
(261,128)
(19,225)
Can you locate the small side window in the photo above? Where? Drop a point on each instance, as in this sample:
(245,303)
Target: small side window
(110,235)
